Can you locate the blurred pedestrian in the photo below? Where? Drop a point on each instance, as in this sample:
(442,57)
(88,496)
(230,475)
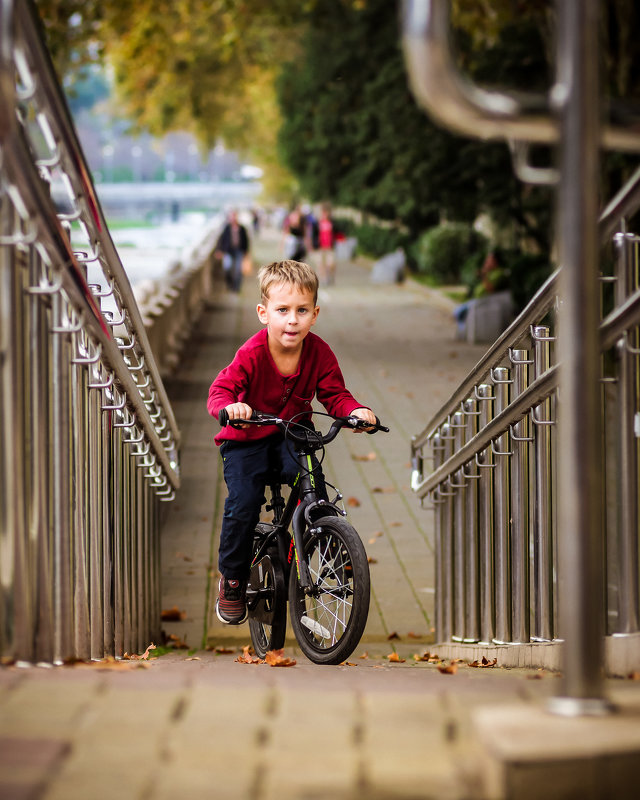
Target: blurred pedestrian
(233,247)
(295,243)
(326,244)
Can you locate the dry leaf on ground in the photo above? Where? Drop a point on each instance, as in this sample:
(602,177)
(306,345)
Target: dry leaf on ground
(353,502)
(383,489)
(368,457)
(173,614)
(375,536)
(365,654)
(247,656)
(277,658)
(222,650)
(371,560)
(192,658)
(347,664)
(395,658)
(176,642)
(484,663)
(393,636)
(448,669)
(143,657)
(110,663)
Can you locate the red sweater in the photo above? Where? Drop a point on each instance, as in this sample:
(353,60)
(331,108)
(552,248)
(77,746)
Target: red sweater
(253,378)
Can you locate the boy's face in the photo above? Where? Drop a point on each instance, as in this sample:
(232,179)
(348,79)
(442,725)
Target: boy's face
(288,314)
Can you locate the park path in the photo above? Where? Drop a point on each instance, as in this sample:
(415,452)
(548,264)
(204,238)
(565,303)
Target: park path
(397,349)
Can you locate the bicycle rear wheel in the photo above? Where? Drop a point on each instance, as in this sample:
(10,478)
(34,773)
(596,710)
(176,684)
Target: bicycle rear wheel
(267,603)
(329,623)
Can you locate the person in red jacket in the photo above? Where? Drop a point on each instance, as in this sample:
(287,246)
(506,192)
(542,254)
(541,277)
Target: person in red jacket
(279,370)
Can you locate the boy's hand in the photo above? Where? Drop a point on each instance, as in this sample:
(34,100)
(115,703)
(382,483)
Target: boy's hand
(239,411)
(367,415)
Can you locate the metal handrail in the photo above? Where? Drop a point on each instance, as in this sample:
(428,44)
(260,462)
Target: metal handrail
(470,110)
(48,91)
(625,203)
(88,439)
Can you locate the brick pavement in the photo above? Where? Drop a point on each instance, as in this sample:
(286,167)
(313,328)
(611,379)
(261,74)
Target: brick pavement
(196,723)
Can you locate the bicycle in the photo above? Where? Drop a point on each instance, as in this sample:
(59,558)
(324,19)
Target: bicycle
(320,566)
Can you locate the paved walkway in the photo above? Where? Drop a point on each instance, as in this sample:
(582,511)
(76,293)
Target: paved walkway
(196,723)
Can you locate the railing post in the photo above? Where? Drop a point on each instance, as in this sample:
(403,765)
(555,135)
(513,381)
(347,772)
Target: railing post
(627,473)
(502,517)
(543,555)
(446,543)
(485,521)
(472,476)
(520,507)
(458,483)
(437,447)
(581,549)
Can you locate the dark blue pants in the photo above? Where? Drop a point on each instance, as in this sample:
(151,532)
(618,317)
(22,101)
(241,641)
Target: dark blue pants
(247,468)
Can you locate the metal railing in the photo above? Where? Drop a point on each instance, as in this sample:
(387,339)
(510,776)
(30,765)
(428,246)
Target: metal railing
(522,504)
(89,442)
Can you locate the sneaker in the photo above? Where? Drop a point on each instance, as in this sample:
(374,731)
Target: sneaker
(230,605)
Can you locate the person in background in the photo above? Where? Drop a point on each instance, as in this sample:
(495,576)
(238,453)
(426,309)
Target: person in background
(295,243)
(326,243)
(232,247)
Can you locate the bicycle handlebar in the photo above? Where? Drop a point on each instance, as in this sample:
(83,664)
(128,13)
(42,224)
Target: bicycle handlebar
(261,418)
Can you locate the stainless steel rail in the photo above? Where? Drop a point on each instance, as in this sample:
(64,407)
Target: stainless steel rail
(541,487)
(89,441)
(472,111)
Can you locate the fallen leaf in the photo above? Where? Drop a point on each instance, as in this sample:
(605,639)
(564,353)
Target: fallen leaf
(110,663)
(183,557)
(348,664)
(375,536)
(365,655)
(383,490)
(395,524)
(413,635)
(378,666)
(449,669)
(221,650)
(535,677)
(423,657)
(368,457)
(276,658)
(173,614)
(484,663)
(392,636)
(144,656)
(395,658)
(192,658)
(176,642)
(247,656)
(371,560)
(353,502)
(634,676)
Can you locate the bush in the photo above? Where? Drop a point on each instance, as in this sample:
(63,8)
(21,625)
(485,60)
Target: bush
(442,252)
(376,242)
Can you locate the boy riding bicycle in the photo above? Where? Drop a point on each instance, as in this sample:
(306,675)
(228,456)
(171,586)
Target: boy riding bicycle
(279,370)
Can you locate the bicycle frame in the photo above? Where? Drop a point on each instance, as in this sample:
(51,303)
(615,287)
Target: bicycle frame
(295,514)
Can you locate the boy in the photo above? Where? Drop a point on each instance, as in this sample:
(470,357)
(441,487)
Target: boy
(279,370)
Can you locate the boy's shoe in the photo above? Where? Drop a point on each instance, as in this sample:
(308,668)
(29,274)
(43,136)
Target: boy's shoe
(231,607)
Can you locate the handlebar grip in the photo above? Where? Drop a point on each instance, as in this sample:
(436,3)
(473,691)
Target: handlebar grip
(223,417)
(378,427)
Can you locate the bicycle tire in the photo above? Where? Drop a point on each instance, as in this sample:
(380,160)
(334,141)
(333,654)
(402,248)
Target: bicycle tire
(268,617)
(329,623)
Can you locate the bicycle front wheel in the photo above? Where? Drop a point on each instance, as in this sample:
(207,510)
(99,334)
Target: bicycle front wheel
(329,622)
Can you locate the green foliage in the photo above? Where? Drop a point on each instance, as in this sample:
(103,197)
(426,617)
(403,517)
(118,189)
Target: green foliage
(375,241)
(443,251)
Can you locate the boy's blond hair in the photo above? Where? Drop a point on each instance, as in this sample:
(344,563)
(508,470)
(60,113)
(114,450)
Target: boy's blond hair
(296,273)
